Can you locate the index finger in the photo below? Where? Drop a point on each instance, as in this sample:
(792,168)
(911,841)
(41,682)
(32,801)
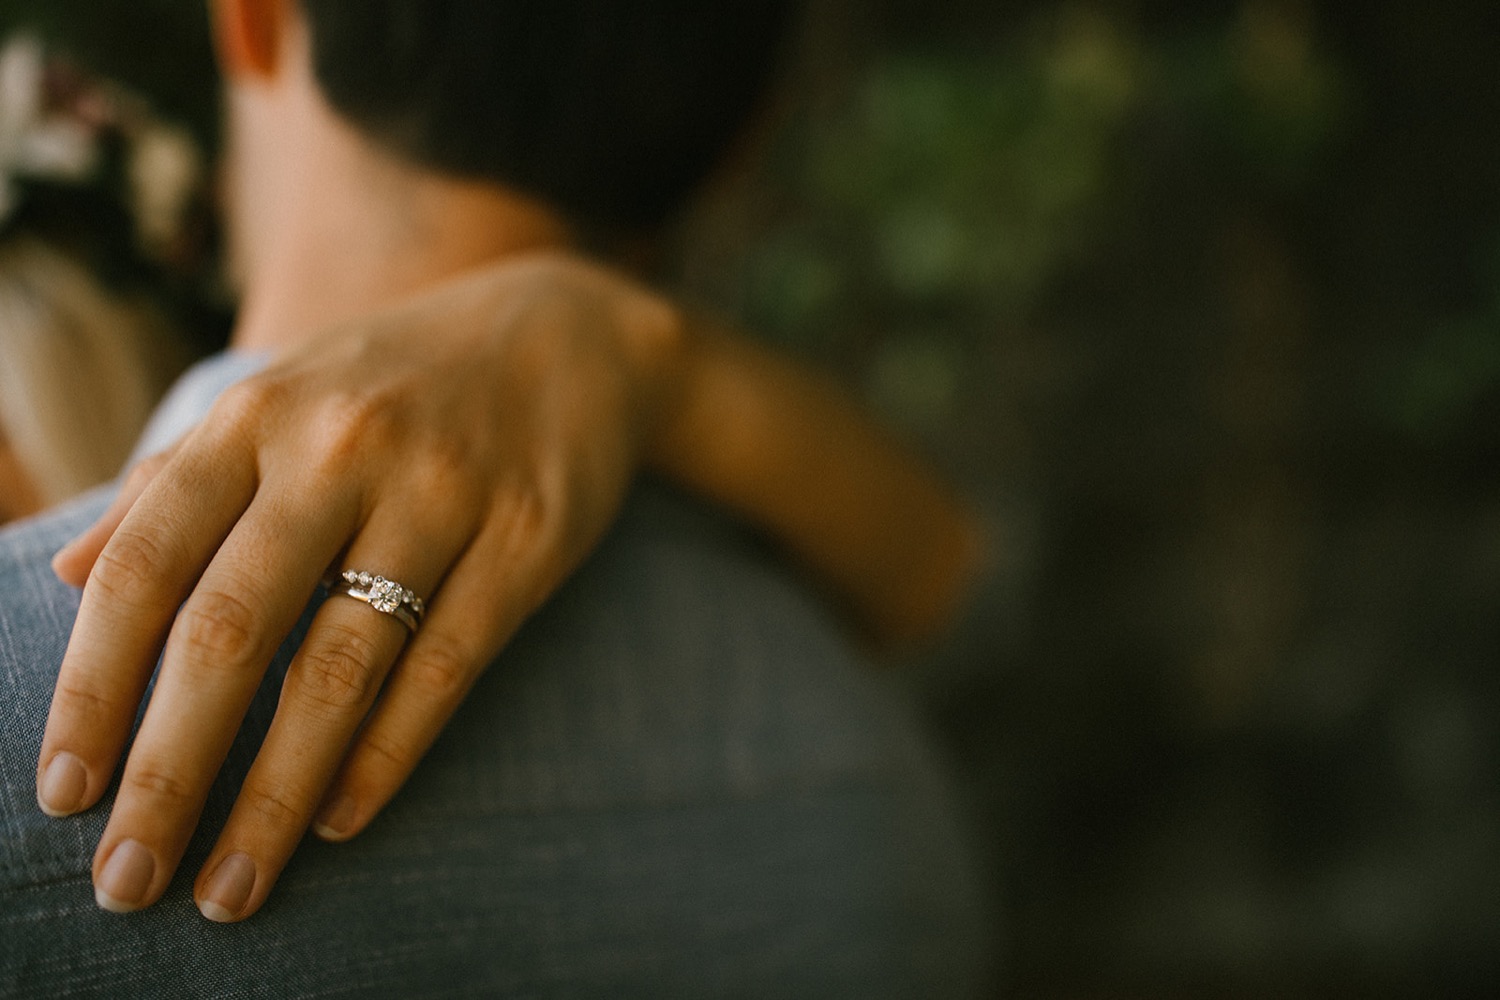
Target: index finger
(141,576)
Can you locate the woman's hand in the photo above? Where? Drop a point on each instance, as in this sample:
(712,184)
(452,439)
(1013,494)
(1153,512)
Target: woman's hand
(472,445)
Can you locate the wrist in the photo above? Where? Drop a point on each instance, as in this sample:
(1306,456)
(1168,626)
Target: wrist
(665,348)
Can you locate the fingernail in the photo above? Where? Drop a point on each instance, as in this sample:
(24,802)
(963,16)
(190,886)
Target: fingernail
(228,889)
(126,877)
(336,820)
(60,792)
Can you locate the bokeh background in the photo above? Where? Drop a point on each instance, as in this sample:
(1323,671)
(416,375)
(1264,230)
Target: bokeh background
(1200,301)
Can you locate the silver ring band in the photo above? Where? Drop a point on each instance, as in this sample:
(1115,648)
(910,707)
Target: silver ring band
(385,596)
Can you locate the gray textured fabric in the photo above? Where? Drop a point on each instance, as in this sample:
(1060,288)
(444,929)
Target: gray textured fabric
(677,781)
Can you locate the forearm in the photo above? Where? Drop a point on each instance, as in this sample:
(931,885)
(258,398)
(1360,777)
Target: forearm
(793,454)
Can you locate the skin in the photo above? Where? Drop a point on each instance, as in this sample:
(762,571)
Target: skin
(450,305)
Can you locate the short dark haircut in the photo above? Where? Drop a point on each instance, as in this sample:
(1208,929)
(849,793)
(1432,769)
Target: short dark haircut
(613,111)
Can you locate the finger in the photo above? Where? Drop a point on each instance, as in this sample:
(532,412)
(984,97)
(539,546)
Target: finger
(495,586)
(75,561)
(140,577)
(248,599)
(328,690)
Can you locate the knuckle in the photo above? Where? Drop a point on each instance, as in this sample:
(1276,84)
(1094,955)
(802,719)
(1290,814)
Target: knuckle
(337,669)
(349,423)
(534,541)
(274,809)
(441,668)
(391,755)
(82,700)
(217,626)
(159,782)
(446,469)
(247,404)
(446,488)
(130,567)
(144,471)
(526,515)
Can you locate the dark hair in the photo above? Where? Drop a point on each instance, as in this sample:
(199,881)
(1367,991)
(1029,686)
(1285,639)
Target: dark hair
(614,111)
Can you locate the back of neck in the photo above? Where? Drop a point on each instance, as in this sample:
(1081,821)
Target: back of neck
(325,227)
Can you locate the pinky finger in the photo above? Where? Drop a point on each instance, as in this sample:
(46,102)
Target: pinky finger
(75,561)
(422,693)
(424,690)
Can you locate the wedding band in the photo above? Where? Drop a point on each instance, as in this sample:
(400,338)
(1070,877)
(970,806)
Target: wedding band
(385,596)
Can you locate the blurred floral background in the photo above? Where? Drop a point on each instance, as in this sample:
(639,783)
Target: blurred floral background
(1200,301)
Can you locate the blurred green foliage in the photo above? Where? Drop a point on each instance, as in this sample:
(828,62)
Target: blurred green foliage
(1203,300)
(952,189)
(1432,391)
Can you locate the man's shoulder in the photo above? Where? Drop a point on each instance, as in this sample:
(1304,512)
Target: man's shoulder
(681,732)
(687,626)
(36,617)
(692,580)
